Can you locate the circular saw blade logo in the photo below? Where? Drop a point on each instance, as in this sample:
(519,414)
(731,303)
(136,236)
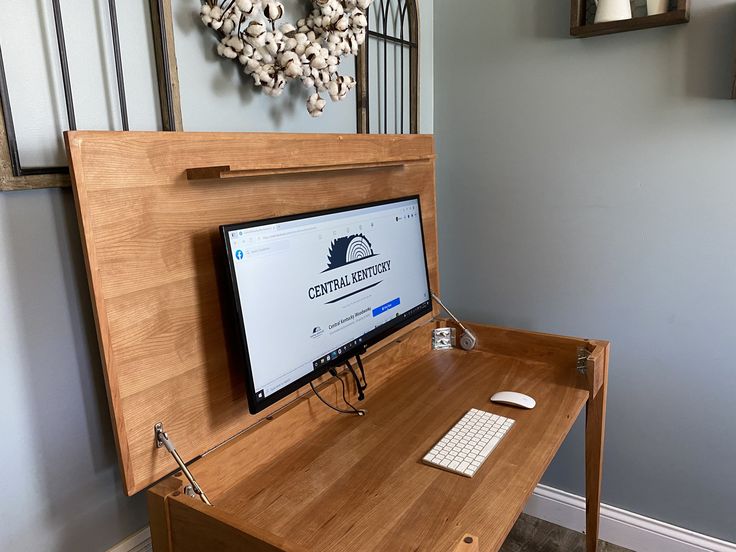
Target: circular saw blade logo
(348,249)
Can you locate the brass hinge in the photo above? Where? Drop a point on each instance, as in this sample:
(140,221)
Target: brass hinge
(162,440)
(582,363)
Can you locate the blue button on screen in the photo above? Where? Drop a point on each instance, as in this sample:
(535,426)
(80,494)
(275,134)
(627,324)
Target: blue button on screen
(386,306)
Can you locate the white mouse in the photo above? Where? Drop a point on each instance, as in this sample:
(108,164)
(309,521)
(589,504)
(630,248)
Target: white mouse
(513,398)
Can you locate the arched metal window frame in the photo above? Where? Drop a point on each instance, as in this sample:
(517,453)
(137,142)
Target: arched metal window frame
(410,10)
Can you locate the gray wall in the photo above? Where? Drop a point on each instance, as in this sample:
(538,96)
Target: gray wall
(586,187)
(61,486)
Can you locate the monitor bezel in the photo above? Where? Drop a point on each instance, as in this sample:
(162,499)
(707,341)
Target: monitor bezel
(256,405)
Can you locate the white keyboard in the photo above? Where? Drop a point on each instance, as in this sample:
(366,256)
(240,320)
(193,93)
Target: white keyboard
(466,446)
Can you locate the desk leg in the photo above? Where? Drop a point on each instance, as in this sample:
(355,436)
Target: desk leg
(595,423)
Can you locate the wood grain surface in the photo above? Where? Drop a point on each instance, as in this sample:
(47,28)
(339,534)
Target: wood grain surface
(156,271)
(357,483)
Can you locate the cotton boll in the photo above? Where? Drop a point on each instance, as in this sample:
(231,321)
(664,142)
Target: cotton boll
(343,23)
(273,11)
(255,29)
(359,20)
(234,15)
(264,75)
(363,4)
(315,105)
(235,43)
(270,44)
(279,82)
(318,62)
(287,28)
(344,85)
(278,37)
(302,42)
(354,43)
(290,62)
(227,52)
(349,82)
(264,55)
(228,26)
(205,13)
(245,6)
(332,61)
(332,90)
(312,51)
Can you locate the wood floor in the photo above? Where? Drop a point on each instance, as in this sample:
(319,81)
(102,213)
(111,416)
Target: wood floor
(534,535)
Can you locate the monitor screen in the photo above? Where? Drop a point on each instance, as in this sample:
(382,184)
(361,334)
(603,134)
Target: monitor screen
(312,290)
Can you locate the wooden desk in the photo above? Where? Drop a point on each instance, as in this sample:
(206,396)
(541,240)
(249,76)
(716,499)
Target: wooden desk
(297,476)
(357,483)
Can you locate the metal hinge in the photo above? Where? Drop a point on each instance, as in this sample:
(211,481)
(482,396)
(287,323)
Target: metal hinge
(162,440)
(582,363)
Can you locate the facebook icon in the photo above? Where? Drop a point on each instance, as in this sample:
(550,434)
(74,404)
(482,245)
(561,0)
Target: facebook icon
(239,254)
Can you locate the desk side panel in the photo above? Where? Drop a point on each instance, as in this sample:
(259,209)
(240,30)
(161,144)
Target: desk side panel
(196,527)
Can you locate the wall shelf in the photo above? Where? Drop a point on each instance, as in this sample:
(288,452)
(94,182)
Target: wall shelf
(580,28)
(225,172)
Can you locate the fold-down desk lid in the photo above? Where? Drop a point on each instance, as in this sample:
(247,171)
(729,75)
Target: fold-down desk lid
(149,226)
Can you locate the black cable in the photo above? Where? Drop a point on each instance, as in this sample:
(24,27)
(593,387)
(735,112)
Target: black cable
(359,385)
(362,371)
(360,411)
(340,410)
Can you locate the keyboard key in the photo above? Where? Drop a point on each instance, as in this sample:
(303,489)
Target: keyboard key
(490,446)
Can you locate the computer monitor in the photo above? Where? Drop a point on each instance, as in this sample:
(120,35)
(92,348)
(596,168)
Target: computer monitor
(312,290)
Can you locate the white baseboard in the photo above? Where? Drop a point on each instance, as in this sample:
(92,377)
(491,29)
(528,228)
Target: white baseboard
(620,527)
(139,542)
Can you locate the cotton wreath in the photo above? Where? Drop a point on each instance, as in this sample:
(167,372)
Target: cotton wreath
(309,51)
